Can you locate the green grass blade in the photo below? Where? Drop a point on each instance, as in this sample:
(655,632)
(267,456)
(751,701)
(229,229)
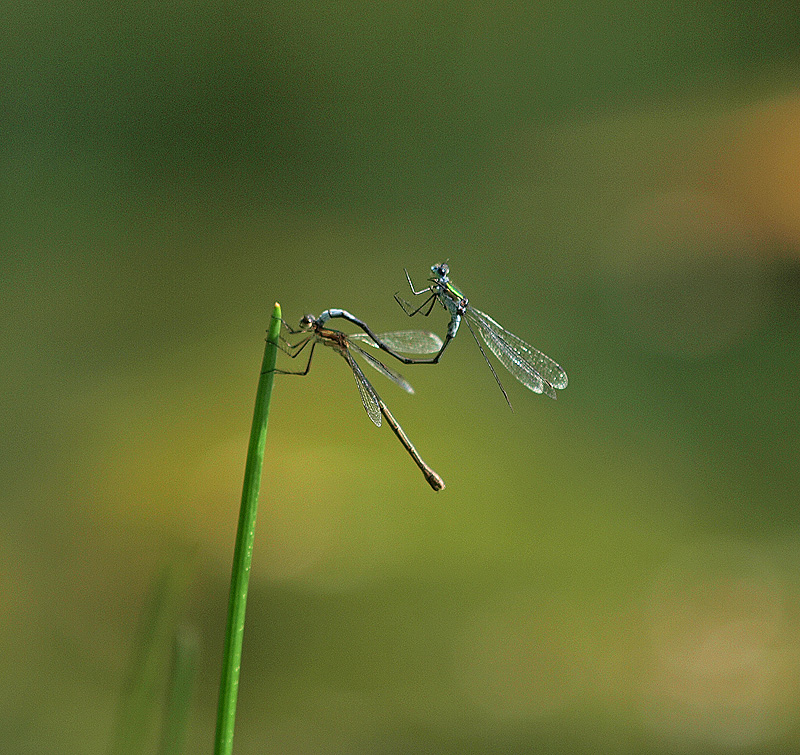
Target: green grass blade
(186,649)
(243,550)
(142,696)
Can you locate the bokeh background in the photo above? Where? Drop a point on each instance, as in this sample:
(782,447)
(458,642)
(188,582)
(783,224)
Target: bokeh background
(618,183)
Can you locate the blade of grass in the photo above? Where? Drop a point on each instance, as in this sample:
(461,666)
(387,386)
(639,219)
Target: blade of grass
(243,550)
(142,695)
(186,649)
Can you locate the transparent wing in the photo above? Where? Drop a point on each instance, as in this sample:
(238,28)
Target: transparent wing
(405,341)
(395,377)
(368,396)
(527,364)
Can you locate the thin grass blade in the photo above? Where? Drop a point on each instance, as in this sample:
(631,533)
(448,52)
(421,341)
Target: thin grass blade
(243,549)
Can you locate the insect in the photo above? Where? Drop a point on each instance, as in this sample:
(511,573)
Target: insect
(415,342)
(527,364)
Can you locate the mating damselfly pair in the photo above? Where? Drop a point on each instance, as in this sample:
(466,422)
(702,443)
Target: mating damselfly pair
(530,366)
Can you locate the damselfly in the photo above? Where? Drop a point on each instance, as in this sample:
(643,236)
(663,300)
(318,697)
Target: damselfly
(530,366)
(412,342)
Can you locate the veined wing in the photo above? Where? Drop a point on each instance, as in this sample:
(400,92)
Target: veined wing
(405,341)
(395,377)
(530,366)
(368,396)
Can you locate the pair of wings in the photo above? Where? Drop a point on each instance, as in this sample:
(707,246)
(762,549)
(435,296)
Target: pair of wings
(530,366)
(406,341)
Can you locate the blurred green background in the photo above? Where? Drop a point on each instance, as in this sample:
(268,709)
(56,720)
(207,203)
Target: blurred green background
(618,183)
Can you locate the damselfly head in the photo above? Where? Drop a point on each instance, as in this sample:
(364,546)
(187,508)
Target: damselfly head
(307,322)
(441,270)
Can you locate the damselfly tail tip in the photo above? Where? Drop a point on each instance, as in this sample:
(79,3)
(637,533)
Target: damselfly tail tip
(436,482)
